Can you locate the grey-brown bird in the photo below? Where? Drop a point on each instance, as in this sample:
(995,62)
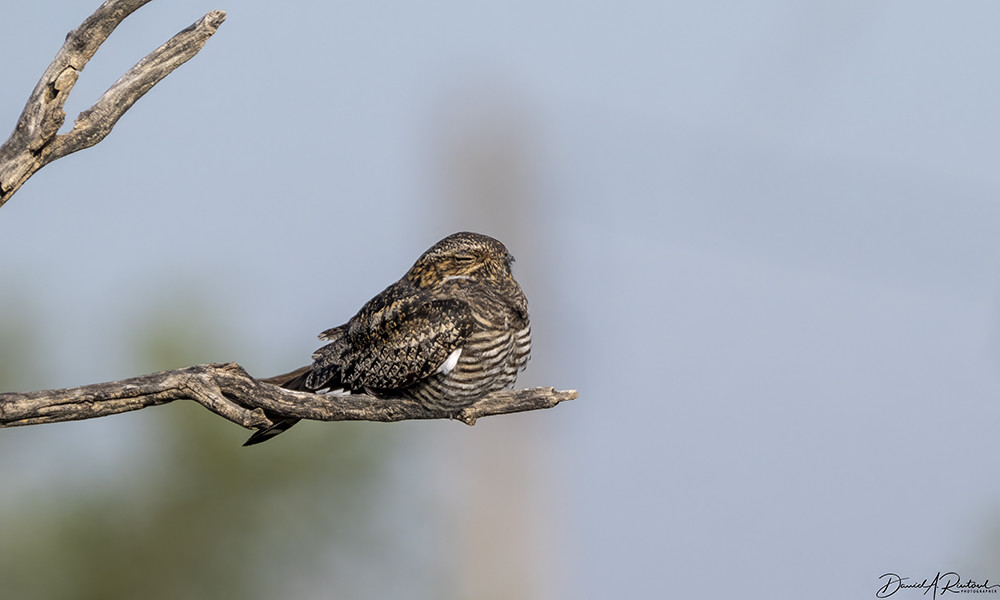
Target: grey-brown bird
(450,331)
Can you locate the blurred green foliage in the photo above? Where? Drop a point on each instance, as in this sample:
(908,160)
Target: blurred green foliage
(189,513)
(19,360)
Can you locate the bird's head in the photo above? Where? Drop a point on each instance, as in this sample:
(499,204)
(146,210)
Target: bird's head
(463,255)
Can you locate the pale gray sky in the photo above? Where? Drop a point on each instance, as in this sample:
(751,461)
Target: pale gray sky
(765,251)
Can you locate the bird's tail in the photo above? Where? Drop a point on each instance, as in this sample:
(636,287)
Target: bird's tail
(294,380)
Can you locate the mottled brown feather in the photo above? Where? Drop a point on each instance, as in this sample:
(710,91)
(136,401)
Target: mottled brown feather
(460,294)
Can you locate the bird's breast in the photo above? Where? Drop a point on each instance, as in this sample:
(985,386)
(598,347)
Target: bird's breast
(489,360)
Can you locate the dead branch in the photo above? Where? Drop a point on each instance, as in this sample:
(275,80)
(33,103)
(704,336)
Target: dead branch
(230,392)
(35,141)
(225,389)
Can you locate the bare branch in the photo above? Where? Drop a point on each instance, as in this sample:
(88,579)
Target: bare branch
(225,389)
(35,143)
(230,392)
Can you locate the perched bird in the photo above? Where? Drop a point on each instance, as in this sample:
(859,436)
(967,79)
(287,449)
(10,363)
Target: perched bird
(451,330)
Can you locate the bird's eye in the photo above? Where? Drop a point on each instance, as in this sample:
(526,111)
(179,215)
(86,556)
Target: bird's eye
(464,258)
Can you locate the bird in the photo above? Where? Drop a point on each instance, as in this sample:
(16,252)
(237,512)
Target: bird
(454,328)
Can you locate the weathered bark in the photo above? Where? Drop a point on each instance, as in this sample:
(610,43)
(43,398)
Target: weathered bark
(35,141)
(225,389)
(229,391)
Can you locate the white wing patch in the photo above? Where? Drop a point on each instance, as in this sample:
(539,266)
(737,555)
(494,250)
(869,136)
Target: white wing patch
(449,364)
(336,392)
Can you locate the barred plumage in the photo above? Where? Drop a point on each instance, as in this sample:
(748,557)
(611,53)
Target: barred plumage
(450,331)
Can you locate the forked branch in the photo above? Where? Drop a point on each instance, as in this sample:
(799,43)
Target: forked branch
(36,142)
(229,391)
(225,389)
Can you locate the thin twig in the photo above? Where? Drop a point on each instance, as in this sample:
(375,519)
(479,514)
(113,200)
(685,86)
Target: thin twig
(35,143)
(225,389)
(230,392)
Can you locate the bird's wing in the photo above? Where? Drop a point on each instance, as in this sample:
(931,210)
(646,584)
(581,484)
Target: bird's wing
(395,344)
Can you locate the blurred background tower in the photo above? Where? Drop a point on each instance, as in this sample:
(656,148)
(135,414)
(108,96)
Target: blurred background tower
(487,179)
(796,203)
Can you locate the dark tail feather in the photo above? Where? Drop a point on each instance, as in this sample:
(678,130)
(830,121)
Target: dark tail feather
(294,380)
(262,435)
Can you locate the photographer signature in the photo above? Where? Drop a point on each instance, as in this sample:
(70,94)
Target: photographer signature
(943,583)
